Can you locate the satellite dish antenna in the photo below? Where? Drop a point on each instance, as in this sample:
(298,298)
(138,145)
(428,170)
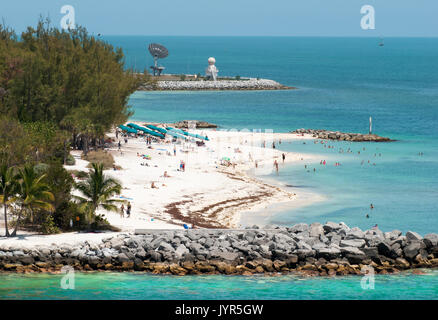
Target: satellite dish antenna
(157,51)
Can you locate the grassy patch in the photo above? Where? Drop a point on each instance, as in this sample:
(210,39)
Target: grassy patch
(100,157)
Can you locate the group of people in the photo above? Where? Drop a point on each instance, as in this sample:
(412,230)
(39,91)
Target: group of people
(128,210)
(148,140)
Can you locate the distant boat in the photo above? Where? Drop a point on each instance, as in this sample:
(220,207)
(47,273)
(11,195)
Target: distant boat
(381,43)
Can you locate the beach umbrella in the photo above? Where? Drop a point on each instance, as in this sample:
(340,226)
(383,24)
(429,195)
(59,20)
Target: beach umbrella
(127,129)
(147,131)
(188,134)
(161,130)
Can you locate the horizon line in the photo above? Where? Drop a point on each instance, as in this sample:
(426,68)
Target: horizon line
(266,36)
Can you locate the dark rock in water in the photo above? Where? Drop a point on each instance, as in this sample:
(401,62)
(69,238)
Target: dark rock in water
(336,135)
(384,248)
(328,253)
(352,250)
(431,240)
(352,243)
(300,227)
(356,258)
(410,235)
(122,258)
(331,226)
(316,230)
(412,250)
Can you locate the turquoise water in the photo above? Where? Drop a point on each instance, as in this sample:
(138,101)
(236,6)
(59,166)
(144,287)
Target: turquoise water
(143,286)
(342,82)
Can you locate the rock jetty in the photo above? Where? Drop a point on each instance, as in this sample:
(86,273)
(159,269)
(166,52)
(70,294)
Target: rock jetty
(184,124)
(243,84)
(342,136)
(316,249)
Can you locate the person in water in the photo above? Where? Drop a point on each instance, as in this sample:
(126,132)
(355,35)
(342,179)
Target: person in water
(276,166)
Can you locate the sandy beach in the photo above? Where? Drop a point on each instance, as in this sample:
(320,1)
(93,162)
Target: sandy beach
(207,194)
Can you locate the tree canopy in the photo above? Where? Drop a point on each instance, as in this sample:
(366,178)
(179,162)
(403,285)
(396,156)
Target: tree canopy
(58,89)
(69,78)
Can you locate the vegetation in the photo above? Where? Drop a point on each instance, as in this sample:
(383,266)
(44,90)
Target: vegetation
(7,190)
(58,90)
(33,194)
(97,192)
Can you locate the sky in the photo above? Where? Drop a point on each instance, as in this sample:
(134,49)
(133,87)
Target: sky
(399,18)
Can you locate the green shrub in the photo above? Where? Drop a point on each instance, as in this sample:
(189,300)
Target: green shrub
(48,225)
(70,161)
(41,168)
(79,174)
(182,77)
(237,77)
(100,223)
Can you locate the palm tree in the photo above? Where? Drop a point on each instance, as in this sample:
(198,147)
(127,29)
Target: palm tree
(33,193)
(97,191)
(8,187)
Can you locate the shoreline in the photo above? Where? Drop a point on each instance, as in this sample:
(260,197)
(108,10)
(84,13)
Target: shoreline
(332,249)
(207,194)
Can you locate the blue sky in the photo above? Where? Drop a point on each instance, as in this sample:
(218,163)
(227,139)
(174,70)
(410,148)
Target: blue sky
(232,17)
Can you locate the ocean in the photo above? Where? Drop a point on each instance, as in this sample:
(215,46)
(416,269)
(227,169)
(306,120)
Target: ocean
(139,286)
(341,83)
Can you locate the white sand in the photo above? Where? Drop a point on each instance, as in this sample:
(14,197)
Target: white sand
(214,195)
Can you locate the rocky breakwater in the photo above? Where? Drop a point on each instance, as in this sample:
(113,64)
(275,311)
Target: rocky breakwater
(316,249)
(184,124)
(243,84)
(342,136)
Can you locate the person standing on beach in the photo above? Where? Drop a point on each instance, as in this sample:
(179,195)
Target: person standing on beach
(283,156)
(122,211)
(128,211)
(120,145)
(174,151)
